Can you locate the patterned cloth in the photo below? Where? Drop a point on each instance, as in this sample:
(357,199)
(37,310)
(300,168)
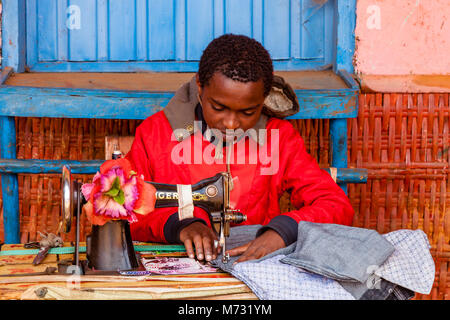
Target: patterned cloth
(410,266)
(271,279)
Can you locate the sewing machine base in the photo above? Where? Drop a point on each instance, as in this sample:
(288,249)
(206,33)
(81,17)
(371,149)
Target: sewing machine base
(109,248)
(68,267)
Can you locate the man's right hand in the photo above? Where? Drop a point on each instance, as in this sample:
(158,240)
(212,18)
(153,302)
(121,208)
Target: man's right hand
(202,237)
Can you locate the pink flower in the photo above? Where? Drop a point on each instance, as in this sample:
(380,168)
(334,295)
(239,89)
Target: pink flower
(116,192)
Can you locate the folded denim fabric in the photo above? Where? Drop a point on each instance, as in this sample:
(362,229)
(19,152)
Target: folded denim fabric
(339,252)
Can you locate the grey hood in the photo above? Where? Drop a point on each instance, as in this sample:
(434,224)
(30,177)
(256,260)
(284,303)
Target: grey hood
(180,111)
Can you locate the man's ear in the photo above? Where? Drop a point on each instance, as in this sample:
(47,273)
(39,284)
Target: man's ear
(199,86)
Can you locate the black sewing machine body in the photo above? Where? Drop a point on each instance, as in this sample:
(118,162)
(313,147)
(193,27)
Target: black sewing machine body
(211,194)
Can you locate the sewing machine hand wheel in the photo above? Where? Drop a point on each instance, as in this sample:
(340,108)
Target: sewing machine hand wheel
(66,203)
(71,203)
(71,199)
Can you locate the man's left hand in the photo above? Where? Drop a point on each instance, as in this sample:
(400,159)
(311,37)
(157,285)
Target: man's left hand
(266,243)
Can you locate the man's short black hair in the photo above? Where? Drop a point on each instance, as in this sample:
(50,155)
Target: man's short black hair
(239,58)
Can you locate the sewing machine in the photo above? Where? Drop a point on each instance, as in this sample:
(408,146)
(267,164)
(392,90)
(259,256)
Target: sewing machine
(212,195)
(109,247)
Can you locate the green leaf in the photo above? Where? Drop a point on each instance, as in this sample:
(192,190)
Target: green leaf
(115,188)
(112,192)
(120,198)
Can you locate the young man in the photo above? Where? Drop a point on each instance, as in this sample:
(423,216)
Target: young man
(220,121)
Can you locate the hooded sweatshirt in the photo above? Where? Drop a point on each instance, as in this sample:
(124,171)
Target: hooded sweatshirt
(174,146)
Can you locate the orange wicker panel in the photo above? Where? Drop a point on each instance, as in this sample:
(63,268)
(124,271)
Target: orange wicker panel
(403,141)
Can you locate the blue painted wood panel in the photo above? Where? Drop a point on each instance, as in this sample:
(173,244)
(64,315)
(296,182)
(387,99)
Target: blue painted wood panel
(238,17)
(276,28)
(161,30)
(121,30)
(80,20)
(199,27)
(99,35)
(10,185)
(13,35)
(46,26)
(108,104)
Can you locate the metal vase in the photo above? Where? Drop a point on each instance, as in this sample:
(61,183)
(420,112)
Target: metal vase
(110,248)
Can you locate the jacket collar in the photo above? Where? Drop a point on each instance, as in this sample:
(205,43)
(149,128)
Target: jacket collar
(180,111)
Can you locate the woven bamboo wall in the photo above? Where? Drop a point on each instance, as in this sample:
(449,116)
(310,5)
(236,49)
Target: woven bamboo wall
(402,139)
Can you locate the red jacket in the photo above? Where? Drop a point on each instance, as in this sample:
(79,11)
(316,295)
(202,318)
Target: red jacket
(256,193)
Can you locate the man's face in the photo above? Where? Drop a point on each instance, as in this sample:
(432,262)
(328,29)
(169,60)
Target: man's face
(231,105)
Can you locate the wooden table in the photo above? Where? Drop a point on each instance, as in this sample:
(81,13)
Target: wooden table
(220,286)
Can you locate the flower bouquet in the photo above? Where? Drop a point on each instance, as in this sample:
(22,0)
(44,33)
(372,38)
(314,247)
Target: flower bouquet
(117,193)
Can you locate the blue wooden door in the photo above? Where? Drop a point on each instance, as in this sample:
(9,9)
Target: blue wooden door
(170,35)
